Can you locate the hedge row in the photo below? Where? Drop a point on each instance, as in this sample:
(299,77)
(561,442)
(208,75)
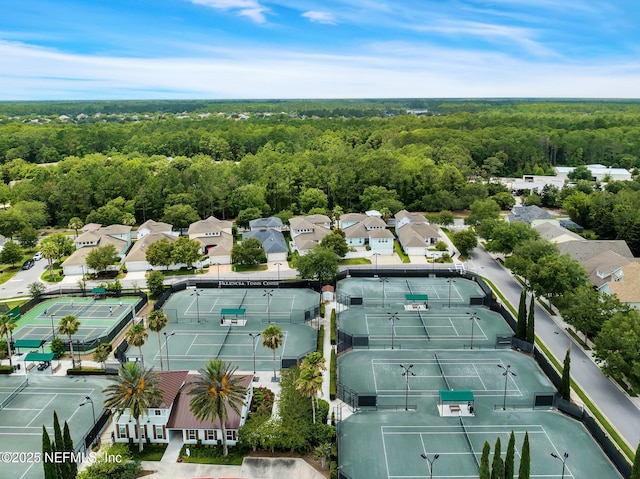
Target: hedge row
(334,327)
(333,378)
(319,346)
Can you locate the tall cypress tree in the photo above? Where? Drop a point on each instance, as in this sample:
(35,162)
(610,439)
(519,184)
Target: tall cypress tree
(521,326)
(72,467)
(497,467)
(49,467)
(531,329)
(635,470)
(58,446)
(485,471)
(565,387)
(525,459)
(509,460)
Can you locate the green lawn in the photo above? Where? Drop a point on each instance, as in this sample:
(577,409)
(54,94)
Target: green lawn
(244,268)
(400,253)
(212,455)
(345,262)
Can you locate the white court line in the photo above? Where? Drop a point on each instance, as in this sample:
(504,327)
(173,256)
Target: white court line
(481,381)
(192,341)
(384,448)
(42,410)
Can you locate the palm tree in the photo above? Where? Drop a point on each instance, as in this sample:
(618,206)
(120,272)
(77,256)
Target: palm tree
(156,322)
(7,325)
(213,391)
(137,336)
(75,223)
(309,383)
(69,325)
(272,338)
(50,251)
(135,390)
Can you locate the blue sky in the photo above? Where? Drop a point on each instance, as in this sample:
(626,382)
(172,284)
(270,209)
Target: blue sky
(243,49)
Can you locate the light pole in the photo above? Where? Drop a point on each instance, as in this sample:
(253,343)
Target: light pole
(218,265)
(196,293)
(433,263)
(376,256)
(474,317)
(393,317)
(383,281)
(406,373)
(430,462)
(166,343)
(278,265)
(563,459)
(268,293)
(88,400)
(53,329)
(506,373)
(450,281)
(254,336)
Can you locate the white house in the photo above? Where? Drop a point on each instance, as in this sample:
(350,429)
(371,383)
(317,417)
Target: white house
(305,234)
(151,226)
(136,259)
(117,235)
(415,234)
(367,231)
(173,418)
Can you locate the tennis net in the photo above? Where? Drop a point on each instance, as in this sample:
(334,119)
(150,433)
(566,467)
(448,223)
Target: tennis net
(243,298)
(224,340)
(441,371)
(13,395)
(424,325)
(466,435)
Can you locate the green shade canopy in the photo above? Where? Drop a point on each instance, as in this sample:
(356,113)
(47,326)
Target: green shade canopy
(416,297)
(456,395)
(28,343)
(232,311)
(40,357)
(99,290)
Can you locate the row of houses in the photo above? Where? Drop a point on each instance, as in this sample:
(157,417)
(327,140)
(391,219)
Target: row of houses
(366,233)
(610,264)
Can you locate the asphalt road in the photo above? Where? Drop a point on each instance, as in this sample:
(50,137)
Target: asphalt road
(621,412)
(19,284)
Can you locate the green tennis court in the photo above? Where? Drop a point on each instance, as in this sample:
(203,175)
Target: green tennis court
(465,327)
(391,291)
(22,419)
(268,305)
(97,317)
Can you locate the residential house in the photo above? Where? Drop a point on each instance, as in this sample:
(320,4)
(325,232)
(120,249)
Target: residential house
(216,239)
(583,251)
(172,417)
(271,223)
(308,231)
(117,235)
(136,259)
(556,233)
(350,219)
(606,267)
(151,226)
(532,215)
(367,231)
(273,242)
(627,285)
(415,234)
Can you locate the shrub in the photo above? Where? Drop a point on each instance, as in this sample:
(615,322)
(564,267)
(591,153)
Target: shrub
(334,327)
(333,378)
(322,308)
(441,246)
(320,338)
(155,283)
(57,347)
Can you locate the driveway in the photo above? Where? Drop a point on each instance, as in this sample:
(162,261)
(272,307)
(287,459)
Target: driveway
(19,284)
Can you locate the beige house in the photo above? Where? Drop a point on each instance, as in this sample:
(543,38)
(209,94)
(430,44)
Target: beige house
(216,238)
(308,231)
(414,233)
(117,235)
(627,285)
(151,226)
(136,259)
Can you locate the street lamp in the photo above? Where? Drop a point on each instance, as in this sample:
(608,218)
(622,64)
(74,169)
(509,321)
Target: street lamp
(88,400)
(196,293)
(166,343)
(433,263)
(268,293)
(506,373)
(406,373)
(254,336)
(278,265)
(218,265)
(383,281)
(376,256)
(563,459)
(393,317)
(430,462)
(474,317)
(450,281)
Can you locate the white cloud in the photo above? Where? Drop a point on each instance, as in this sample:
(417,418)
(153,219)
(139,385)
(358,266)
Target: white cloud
(320,17)
(246,8)
(386,70)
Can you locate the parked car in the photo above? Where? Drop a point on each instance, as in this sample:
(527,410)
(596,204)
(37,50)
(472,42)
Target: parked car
(37,256)
(28,264)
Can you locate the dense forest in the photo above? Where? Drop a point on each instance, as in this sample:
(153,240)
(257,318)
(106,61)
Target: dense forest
(115,161)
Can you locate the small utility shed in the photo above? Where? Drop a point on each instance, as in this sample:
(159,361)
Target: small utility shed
(456,402)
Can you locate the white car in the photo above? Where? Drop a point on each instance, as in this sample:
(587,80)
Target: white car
(37,256)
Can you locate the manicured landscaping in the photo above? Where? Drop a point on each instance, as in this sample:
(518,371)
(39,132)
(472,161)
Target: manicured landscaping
(205,454)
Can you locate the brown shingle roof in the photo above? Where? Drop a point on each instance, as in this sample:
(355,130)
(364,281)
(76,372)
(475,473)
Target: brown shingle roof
(182,417)
(628,290)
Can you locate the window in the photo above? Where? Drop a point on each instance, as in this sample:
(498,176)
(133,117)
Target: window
(191,434)
(231,435)
(159,433)
(157,412)
(122,431)
(210,435)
